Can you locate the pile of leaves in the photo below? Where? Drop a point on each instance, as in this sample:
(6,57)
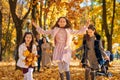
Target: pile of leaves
(30,59)
(8,72)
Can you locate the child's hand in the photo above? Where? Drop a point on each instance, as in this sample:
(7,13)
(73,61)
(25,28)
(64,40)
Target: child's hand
(37,56)
(73,52)
(73,55)
(107,58)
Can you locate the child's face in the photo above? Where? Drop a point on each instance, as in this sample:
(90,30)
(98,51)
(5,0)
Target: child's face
(44,40)
(90,32)
(62,22)
(38,36)
(28,38)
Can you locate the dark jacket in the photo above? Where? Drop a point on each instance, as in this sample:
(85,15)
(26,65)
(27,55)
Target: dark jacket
(96,48)
(39,46)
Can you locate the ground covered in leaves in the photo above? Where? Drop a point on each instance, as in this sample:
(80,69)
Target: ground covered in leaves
(8,72)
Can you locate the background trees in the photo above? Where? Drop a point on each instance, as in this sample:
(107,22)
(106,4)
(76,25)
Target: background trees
(0,33)
(16,16)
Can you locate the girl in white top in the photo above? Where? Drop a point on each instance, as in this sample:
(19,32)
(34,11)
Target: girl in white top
(27,44)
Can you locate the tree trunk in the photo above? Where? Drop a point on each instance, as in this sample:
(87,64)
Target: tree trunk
(18,24)
(45,15)
(19,33)
(109,43)
(112,27)
(113,17)
(40,19)
(34,17)
(105,26)
(108,32)
(0,35)
(4,49)
(18,40)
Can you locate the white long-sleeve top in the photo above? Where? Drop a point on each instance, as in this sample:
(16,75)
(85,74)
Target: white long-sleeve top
(21,59)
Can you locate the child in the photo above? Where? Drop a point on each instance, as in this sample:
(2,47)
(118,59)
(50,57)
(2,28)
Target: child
(27,45)
(61,33)
(39,51)
(46,60)
(93,51)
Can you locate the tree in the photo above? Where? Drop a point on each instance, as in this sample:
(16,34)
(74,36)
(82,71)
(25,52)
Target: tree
(0,34)
(34,15)
(108,30)
(18,22)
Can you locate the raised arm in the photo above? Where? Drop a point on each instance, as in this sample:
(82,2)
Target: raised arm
(82,30)
(80,48)
(40,30)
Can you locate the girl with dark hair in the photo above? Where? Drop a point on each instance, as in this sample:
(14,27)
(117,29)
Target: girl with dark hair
(61,33)
(93,51)
(26,45)
(46,60)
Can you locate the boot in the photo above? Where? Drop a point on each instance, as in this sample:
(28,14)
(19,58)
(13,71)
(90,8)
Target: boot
(61,76)
(87,74)
(67,75)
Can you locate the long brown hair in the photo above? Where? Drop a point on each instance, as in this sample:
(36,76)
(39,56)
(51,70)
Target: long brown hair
(45,39)
(68,23)
(87,37)
(31,43)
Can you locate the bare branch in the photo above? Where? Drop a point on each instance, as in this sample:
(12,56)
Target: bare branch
(27,12)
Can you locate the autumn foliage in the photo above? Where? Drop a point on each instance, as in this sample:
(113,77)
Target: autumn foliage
(30,59)
(8,72)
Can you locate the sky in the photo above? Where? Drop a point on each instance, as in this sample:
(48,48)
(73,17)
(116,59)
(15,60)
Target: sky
(118,0)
